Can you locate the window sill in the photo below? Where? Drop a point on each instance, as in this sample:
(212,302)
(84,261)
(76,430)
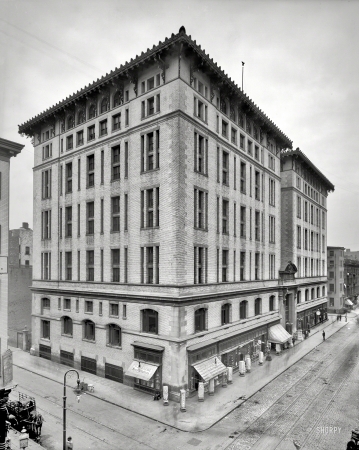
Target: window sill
(113,317)
(119,347)
(92,341)
(88,312)
(67,335)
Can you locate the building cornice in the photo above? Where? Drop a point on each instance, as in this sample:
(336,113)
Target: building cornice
(180,43)
(9,149)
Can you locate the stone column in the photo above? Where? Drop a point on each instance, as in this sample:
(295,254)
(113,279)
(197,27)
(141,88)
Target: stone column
(260,358)
(248,363)
(230,375)
(183,400)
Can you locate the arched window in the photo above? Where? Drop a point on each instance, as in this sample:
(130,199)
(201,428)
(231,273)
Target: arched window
(225,313)
(67,327)
(306,295)
(81,116)
(117,99)
(299,296)
(200,319)
(313,293)
(104,105)
(243,309)
(149,321)
(89,330)
(92,111)
(271,302)
(318,292)
(323,291)
(114,335)
(257,306)
(70,122)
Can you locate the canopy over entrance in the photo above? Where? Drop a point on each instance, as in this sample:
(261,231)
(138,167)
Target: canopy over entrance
(141,370)
(210,368)
(278,335)
(349,302)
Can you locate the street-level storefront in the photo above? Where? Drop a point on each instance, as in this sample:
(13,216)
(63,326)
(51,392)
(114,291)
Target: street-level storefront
(277,335)
(216,355)
(311,317)
(146,368)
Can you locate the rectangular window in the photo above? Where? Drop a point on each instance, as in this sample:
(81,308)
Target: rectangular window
(46,265)
(116,122)
(257,225)
(78,271)
(200,209)
(115,256)
(241,141)
(126,159)
(306,211)
(224,129)
(250,148)
(78,219)
(225,216)
(91,133)
(224,266)
(89,306)
(257,185)
(150,106)
(90,213)
(46,224)
(150,216)
(126,264)
(305,239)
(256,152)
(101,264)
(46,184)
(225,168)
(150,265)
(150,147)
(80,138)
(69,142)
(257,266)
(102,166)
(103,127)
(272,229)
(243,178)
(90,261)
(68,265)
(67,304)
(271,192)
(299,207)
(126,213)
(45,329)
(68,174)
(200,109)
(200,265)
(299,237)
(90,170)
(200,154)
(79,174)
(114,309)
(116,163)
(234,136)
(68,221)
(115,214)
(101,216)
(243,222)
(272,267)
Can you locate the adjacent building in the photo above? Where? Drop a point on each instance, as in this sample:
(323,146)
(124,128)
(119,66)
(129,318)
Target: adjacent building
(351,277)
(20,280)
(7,150)
(157,223)
(304,192)
(336,279)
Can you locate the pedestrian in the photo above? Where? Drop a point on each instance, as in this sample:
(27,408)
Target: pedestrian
(337,317)
(340,317)
(69,444)
(323,334)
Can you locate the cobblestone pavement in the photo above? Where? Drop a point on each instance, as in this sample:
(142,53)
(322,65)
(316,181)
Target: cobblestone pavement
(305,403)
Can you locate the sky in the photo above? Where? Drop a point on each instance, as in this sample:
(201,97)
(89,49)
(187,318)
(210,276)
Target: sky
(301,69)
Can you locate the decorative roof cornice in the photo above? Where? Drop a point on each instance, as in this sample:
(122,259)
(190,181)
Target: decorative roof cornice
(297,153)
(10,148)
(128,70)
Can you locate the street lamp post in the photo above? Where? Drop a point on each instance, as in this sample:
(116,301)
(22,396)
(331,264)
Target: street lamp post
(64,405)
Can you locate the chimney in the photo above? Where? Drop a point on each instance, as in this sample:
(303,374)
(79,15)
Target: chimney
(25,225)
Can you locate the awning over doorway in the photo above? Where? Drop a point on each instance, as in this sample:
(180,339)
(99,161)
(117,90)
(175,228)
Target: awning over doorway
(141,370)
(210,368)
(278,335)
(349,302)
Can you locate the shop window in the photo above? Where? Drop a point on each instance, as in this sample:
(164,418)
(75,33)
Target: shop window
(149,321)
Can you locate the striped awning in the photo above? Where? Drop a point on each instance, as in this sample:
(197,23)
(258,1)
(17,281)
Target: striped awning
(278,335)
(210,368)
(141,370)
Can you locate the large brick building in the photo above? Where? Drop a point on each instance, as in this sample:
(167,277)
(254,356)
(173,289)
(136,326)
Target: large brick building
(336,279)
(304,240)
(7,150)
(156,222)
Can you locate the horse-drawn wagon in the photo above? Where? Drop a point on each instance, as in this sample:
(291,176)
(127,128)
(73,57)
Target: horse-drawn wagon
(22,413)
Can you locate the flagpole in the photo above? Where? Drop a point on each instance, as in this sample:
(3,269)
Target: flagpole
(242,74)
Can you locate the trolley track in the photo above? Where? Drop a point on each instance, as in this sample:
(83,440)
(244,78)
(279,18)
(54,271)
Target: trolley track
(84,416)
(305,391)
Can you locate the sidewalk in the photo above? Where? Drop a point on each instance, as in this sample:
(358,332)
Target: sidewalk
(199,416)
(14,435)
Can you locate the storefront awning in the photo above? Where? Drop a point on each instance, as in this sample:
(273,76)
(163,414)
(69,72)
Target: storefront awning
(141,370)
(349,302)
(278,335)
(210,368)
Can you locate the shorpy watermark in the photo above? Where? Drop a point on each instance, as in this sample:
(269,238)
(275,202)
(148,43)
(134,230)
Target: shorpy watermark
(328,429)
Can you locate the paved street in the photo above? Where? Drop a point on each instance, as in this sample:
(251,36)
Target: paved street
(303,404)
